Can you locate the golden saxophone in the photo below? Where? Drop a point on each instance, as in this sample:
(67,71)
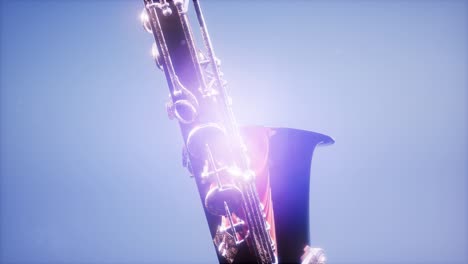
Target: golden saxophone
(253,181)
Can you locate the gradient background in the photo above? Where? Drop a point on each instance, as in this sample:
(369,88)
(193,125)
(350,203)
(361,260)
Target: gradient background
(90,164)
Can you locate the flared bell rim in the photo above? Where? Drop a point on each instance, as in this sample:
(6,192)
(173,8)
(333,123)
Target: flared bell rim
(319,138)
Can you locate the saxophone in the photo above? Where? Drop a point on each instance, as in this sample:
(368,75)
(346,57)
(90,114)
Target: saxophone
(253,181)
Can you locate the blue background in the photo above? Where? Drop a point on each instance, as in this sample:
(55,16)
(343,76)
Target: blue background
(90,164)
